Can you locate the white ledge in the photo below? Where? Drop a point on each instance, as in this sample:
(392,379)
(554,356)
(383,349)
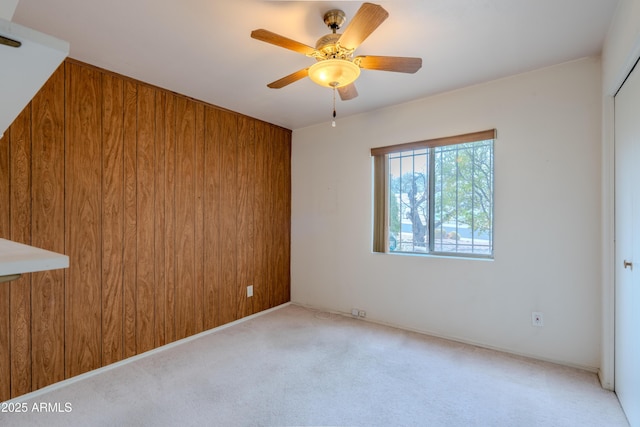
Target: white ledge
(16,258)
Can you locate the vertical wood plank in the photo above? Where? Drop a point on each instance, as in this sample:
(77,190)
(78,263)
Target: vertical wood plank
(273,215)
(160,224)
(47,169)
(130,218)
(279,207)
(286,268)
(20,290)
(270,212)
(112,218)
(245,214)
(274,247)
(170,217)
(83,219)
(185,218)
(145,161)
(227,306)
(199,218)
(283,215)
(212,252)
(5,233)
(261,261)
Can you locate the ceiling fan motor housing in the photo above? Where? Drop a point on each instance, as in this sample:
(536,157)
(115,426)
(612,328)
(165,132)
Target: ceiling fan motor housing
(327,45)
(335,67)
(330,49)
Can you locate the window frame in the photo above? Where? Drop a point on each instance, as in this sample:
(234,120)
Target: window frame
(380,164)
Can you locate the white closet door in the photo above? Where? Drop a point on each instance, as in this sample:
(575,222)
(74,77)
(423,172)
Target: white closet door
(627,269)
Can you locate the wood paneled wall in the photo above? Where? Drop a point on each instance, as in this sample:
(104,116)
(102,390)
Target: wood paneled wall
(167,207)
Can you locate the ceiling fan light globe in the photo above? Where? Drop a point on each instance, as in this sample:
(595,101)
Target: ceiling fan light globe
(334,72)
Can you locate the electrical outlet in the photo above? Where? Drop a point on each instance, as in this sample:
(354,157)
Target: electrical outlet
(249,291)
(537,319)
(362,313)
(354,312)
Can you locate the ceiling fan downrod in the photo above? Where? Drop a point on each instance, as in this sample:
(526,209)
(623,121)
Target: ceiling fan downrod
(334,19)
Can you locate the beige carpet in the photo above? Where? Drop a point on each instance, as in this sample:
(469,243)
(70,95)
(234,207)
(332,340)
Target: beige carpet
(294,366)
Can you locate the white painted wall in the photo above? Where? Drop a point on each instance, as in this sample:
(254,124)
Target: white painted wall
(7,9)
(547,218)
(620,52)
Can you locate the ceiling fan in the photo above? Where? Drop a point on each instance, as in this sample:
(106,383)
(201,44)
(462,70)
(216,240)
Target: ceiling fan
(336,67)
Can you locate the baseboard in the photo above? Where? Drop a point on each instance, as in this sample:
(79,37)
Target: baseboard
(604,382)
(102,370)
(591,369)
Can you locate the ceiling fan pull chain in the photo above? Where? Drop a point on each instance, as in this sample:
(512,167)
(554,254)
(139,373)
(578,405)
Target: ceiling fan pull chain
(333,122)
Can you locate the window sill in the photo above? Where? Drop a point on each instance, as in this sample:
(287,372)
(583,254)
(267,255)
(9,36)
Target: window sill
(441,256)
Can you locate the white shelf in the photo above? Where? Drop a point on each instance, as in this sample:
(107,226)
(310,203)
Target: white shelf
(16,258)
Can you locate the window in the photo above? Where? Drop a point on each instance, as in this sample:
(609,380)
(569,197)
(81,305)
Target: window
(435,196)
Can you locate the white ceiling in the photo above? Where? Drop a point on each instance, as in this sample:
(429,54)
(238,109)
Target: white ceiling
(203,49)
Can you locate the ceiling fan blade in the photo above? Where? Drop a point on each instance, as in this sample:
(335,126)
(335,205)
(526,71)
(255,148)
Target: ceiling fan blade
(278,40)
(364,22)
(400,64)
(291,78)
(348,92)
